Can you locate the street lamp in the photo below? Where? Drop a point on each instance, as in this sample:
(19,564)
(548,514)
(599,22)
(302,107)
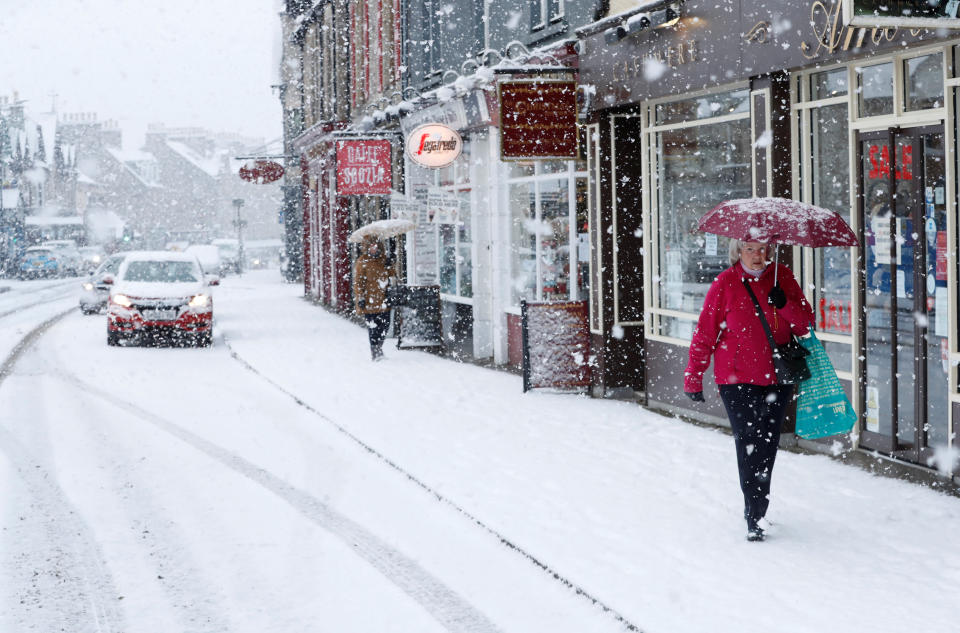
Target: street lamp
(239,223)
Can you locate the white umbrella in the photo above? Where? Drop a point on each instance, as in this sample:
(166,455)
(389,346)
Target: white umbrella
(382,229)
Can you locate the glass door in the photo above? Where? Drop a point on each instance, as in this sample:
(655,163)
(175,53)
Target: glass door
(904,323)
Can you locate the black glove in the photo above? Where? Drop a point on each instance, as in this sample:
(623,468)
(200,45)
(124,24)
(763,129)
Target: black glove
(361,303)
(777,297)
(696,396)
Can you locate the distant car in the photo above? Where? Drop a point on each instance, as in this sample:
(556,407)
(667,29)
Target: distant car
(229,253)
(161,295)
(209,257)
(68,255)
(39,261)
(94,292)
(91,257)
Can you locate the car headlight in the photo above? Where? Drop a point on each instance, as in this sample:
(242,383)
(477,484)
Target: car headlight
(121,300)
(88,286)
(200,301)
(96,259)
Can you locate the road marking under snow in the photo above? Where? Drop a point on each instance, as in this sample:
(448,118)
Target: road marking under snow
(554,574)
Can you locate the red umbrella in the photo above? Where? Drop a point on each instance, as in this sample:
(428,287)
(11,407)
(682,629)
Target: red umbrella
(778,220)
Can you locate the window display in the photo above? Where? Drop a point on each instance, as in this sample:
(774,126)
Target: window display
(697,166)
(541,215)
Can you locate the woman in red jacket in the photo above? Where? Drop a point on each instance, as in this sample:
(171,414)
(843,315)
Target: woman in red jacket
(730,330)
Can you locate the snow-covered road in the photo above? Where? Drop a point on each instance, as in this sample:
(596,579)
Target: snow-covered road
(280,482)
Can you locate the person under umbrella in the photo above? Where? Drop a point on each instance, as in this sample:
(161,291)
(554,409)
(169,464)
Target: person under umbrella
(371,276)
(730,331)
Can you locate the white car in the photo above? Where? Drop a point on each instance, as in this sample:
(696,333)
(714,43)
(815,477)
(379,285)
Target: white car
(160,295)
(209,257)
(94,291)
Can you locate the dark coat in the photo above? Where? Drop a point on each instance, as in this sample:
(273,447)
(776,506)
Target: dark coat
(730,330)
(370,279)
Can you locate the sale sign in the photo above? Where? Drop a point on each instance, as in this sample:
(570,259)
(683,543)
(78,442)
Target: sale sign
(364,167)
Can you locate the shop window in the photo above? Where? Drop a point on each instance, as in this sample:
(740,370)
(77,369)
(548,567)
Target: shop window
(522,169)
(541,214)
(554,237)
(697,168)
(707,107)
(831,83)
(830,181)
(443,243)
(523,215)
(923,82)
(876,89)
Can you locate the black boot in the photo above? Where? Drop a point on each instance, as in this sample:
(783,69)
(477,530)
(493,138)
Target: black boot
(754,531)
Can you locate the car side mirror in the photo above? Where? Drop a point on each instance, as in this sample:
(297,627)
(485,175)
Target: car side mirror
(108,280)
(213,281)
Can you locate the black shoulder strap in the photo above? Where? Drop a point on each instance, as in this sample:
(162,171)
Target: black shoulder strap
(763,318)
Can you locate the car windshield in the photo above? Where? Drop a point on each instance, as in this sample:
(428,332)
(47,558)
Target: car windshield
(111,266)
(38,253)
(161,271)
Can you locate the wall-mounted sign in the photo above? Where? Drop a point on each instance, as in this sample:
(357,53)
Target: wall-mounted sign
(364,167)
(261,171)
(538,119)
(434,145)
(902,13)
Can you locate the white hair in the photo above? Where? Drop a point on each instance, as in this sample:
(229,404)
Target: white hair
(736,245)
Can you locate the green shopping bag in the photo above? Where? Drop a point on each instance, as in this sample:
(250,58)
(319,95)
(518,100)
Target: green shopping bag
(823,408)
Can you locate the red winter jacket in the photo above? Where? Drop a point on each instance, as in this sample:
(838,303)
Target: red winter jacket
(730,328)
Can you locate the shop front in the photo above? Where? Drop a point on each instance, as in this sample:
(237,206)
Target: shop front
(792,103)
(346,178)
(494,229)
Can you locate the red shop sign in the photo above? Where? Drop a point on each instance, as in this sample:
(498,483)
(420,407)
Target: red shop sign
(364,167)
(538,119)
(879,156)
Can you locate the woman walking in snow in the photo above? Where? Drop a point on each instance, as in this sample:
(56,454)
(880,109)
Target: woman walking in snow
(730,330)
(370,280)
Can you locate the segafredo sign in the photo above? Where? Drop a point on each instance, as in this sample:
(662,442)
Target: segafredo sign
(434,145)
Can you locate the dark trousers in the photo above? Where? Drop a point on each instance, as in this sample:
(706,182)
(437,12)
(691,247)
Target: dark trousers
(756,414)
(377,324)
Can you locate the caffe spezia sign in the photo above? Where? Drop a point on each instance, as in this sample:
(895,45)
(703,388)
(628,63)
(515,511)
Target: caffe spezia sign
(902,13)
(434,145)
(364,167)
(538,119)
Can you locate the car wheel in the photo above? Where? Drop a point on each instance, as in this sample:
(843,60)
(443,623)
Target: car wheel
(113,338)
(205,339)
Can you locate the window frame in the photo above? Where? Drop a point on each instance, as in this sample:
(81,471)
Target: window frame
(651,216)
(568,176)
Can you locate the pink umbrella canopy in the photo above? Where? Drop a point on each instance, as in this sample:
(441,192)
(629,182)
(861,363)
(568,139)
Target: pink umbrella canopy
(778,220)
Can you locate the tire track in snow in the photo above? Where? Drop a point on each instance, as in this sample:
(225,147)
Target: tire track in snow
(544,567)
(56,297)
(69,579)
(446,606)
(194,602)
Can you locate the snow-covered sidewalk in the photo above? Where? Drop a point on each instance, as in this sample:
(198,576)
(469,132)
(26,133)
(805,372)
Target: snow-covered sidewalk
(640,510)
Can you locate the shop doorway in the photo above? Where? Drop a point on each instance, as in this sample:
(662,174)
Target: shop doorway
(903,350)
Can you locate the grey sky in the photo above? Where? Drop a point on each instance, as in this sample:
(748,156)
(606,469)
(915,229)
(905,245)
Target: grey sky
(205,63)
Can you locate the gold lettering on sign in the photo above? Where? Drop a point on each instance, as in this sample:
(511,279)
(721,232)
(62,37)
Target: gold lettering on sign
(832,36)
(759,33)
